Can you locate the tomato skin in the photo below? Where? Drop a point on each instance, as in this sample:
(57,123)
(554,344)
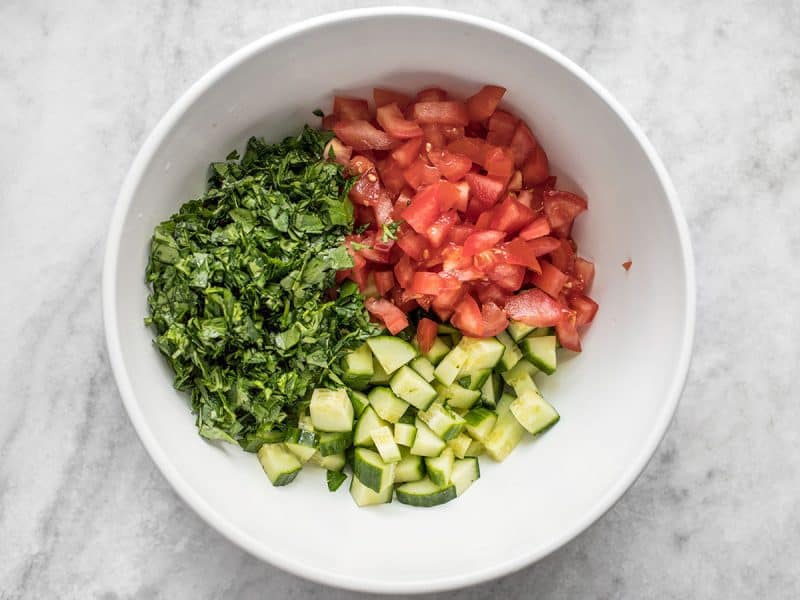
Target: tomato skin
(563,256)
(383,96)
(391,119)
(499,162)
(446,112)
(482,240)
(450,164)
(544,245)
(391,316)
(432,284)
(491,292)
(384,281)
(501,128)
(523,142)
(437,232)
(536,168)
(420,173)
(351,109)
(484,216)
(474,148)
(468,318)
(511,216)
(460,232)
(562,207)
(540,227)
(367,189)
(535,308)
(481,105)
(585,309)
(431,94)
(423,210)
(404,271)
(494,319)
(412,243)
(551,280)
(361,135)
(519,253)
(426,334)
(408,152)
(486,190)
(507,276)
(567,332)
(584,275)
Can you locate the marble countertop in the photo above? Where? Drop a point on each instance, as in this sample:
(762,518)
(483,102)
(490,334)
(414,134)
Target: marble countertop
(83,511)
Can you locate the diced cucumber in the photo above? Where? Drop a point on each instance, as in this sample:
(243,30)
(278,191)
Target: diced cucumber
(474,380)
(476,448)
(460,444)
(541,352)
(482,353)
(445,329)
(533,412)
(364,496)
(331,410)
(520,378)
(518,330)
(334,462)
(542,331)
(391,352)
(423,367)
(280,465)
(511,354)
(302,443)
(440,467)
(426,442)
(405,434)
(410,468)
(425,493)
(438,351)
(303,453)
(386,404)
(304,421)
(491,390)
(383,438)
(372,470)
(458,397)
(442,421)
(379,376)
(465,472)
(448,369)
(335,479)
(334,442)
(506,433)
(480,422)
(412,388)
(409,416)
(357,367)
(359,401)
(367,423)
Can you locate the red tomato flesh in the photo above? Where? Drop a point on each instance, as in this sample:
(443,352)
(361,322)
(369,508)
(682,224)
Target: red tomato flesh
(426,334)
(392,121)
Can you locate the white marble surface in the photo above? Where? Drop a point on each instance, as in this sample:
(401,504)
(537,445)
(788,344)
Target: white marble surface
(83,511)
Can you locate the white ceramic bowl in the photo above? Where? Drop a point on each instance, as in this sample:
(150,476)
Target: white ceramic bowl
(616,399)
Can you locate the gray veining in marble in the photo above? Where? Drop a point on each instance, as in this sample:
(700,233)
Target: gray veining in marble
(83,511)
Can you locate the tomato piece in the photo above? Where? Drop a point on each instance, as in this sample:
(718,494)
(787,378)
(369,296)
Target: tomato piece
(567,332)
(446,112)
(432,284)
(383,96)
(535,308)
(328,122)
(364,215)
(448,194)
(483,104)
(468,318)
(452,133)
(403,200)
(402,301)
(585,309)
(408,152)
(536,168)
(445,301)
(491,292)
(391,174)
(501,128)
(433,136)
(437,232)
(450,164)
(523,142)
(563,256)
(351,109)
(341,153)
(538,228)
(384,281)
(511,215)
(454,258)
(367,189)
(463,196)
(391,316)
(404,271)
(486,190)
(494,319)
(499,162)
(426,334)
(520,254)
(431,94)
(524,196)
(392,121)
(561,207)
(460,232)
(507,276)
(482,240)
(361,135)
(423,210)
(360,164)
(544,245)
(412,243)
(484,218)
(551,280)
(584,275)
(360,272)
(473,148)
(486,260)
(420,173)
(384,210)
(515,185)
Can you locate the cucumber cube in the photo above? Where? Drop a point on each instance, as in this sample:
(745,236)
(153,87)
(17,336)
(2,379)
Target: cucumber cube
(331,410)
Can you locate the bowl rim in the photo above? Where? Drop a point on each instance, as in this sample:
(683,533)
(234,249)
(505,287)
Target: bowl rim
(242,538)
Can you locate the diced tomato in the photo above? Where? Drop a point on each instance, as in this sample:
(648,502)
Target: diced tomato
(391,173)
(361,135)
(544,245)
(394,318)
(367,189)
(420,173)
(384,210)
(454,258)
(562,207)
(486,260)
(425,302)
(486,190)
(446,300)
(491,292)
(382,97)
(441,113)
(360,271)
(423,210)
(538,228)
(431,94)
(515,184)
(384,281)
(437,232)
(426,334)
(364,215)
(328,121)
(584,275)
(468,318)
(483,104)
(511,215)
(403,200)
(550,280)
(501,128)
(519,253)
(627,265)
(463,196)
(433,136)
(341,153)
(563,256)
(536,168)
(408,152)
(499,162)
(412,243)
(404,271)
(392,120)
(450,164)
(452,133)
(360,165)
(474,148)
(351,109)
(522,143)
(401,300)
(567,332)
(524,197)
(432,284)
(547,184)
(585,309)
(484,218)
(534,308)
(449,195)
(563,231)
(460,232)
(507,276)
(494,319)
(482,240)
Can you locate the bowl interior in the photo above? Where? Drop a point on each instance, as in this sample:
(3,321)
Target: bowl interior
(615,399)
